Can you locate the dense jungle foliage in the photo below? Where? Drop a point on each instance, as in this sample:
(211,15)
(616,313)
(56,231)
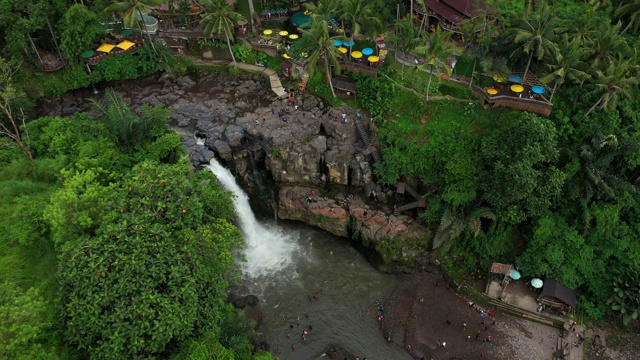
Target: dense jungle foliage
(112,248)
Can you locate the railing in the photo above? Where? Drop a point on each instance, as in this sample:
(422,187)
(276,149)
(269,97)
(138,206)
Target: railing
(358,68)
(542,107)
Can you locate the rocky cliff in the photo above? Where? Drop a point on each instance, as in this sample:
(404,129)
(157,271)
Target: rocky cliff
(295,159)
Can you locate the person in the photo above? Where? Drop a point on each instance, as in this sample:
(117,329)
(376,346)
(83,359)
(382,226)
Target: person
(444,344)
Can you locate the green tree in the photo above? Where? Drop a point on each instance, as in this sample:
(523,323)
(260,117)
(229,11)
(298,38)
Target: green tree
(568,64)
(23,324)
(325,54)
(10,97)
(80,29)
(606,46)
(523,154)
(436,52)
(155,273)
(537,34)
(615,81)
(626,294)
(356,13)
(323,11)
(406,39)
(453,224)
(132,13)
(219,18)
(629,9)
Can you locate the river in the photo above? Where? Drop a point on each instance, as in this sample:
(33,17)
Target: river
(309,280)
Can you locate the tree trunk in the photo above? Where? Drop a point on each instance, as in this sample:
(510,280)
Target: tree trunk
(555,86)
(235,64)
(329,77)
(34,47)
(473,72)
(526,70)
(15,135)
(55,42)
(252,11)
(402,71)
(626,28)
(145,29)
(429,84)
(593,107)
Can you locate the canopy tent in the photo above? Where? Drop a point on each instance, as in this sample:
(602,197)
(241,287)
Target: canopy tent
(105,48)
(125,45)
(554,290)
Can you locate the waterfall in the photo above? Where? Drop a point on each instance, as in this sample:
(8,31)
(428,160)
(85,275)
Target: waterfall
(266,249)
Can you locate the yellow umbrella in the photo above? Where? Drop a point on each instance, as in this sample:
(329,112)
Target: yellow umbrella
(105,48)
(356,54)
(286,56)
(373,58)
(268,32)
(293,36)
(492,91)
(343,50)
(499,78)
(517,88)
(283,33)
(125,45)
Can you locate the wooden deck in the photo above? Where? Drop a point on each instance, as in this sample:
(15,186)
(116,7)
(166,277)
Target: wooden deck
(358,68)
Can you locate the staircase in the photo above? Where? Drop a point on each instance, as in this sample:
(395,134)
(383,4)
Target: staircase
(366,138)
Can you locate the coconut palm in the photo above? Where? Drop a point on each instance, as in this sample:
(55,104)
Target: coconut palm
(406,39)
(325,54)
(585,28)
(356,13)
(220,17)
(131,12)
(616,80)
(325,10)
(453,224)
(436,51)
(537,34)
(607,45)
(567,65)
(629,9)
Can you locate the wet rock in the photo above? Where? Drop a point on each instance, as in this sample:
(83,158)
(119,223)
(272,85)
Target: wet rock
(223,150)
(254,315)
(234,135)
(68,110)
(252,300)
(185,82)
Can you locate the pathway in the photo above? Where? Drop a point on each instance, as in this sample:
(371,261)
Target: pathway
(274,79)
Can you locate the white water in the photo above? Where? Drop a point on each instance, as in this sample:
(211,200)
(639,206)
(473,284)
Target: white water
(266,249)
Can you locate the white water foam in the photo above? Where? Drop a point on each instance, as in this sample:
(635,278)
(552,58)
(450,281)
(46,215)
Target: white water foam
(266,249)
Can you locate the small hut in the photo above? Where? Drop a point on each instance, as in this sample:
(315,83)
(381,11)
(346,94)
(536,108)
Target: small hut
(501,269)
(344,83)
(557,296)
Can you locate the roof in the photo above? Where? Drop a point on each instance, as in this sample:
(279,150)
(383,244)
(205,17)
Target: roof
(498,268)
(344,83)
(455,11)
(553,288)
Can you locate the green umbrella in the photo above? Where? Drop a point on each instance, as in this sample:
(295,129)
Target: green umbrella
(87,54)
(126,32)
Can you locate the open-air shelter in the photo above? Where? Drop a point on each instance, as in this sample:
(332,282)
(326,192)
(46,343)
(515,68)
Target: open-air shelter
(557,296)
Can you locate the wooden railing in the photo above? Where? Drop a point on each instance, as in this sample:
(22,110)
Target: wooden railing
(358,68)
(542,106)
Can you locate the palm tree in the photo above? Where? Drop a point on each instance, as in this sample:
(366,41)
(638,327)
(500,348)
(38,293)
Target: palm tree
(131,12)
(452,225)
(537,34)
(618,79)
(326,53)
(607,45)
(220,17)
(358,12)
(406,38)
(324,11)
(436,51)
(567,65)
(630,9)
(598,161)
(585,28)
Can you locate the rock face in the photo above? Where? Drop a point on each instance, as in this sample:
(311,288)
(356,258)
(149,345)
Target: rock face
(297,159)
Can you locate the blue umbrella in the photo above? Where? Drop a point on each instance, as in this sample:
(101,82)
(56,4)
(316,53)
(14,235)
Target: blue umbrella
(514,274)
(348,43)
(536,283)
(515,79)
(367,51)
(538,89)
(337,42)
